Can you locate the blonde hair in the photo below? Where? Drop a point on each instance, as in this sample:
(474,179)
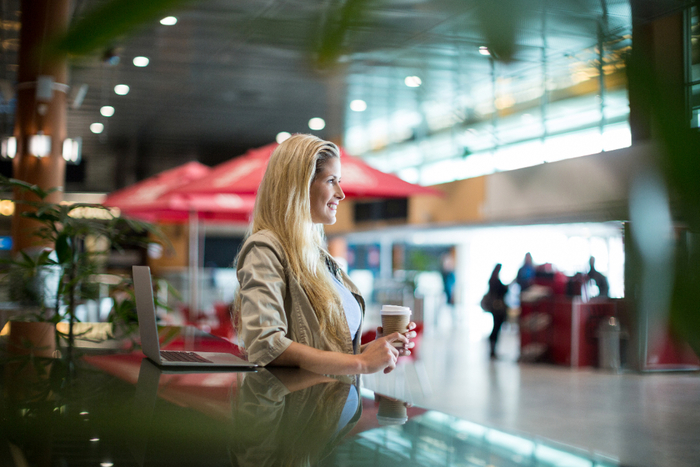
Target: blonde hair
(283,206)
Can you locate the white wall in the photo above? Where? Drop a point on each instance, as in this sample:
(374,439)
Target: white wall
(596,186)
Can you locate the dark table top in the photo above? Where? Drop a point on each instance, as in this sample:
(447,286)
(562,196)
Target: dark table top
(101,403)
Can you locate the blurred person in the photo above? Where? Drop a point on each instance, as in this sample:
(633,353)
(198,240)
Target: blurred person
(600,280)
(447,270)
(497,306)
(295,306)
(526,273)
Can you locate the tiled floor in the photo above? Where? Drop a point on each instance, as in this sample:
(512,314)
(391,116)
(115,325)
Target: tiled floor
(634,419)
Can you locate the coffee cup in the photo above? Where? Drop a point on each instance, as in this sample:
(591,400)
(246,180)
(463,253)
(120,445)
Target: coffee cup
(395,319)
(391,411)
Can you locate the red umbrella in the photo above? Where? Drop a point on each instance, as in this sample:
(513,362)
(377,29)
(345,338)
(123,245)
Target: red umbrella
(149,190)
(152,200)
(175,207)
(243,174)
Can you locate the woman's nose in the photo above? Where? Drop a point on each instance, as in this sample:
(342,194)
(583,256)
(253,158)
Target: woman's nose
(339,192)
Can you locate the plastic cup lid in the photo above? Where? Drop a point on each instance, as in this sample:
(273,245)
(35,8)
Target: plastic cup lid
(395,310)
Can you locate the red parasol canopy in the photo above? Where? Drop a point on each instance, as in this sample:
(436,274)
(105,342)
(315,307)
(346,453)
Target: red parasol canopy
(152,200)
(149,190)
(243,175)
(174,207)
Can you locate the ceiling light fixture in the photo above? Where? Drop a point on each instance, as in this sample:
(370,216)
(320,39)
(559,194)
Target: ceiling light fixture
(483,50)
(78,95)
(141,61)
(72,149)
(169,21)
(317,124)
(412,81)
(121,89)
(107,111)
(358,105)
(282,136)
(9,147)
(40,145)
(97,128)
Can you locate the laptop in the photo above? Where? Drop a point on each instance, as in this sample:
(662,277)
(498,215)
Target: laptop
(146,310)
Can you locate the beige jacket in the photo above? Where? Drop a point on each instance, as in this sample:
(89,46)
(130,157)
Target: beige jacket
(275,310)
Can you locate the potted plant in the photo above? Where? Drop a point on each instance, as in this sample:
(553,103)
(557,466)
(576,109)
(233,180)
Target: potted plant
(72,242)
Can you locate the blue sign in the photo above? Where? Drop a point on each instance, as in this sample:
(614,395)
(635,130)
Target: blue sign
(6,243)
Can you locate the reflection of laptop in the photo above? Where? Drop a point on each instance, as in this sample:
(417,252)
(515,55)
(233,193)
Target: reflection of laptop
(149,332)
(146,424)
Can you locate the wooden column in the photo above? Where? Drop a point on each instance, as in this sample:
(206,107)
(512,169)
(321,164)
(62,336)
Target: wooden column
(42,21)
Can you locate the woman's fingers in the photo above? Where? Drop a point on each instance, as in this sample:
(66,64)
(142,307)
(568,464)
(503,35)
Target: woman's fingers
(392,363)
(397,336)
(381,354)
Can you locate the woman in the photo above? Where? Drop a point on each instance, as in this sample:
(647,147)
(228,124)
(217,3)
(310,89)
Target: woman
(497,291)
(295,306)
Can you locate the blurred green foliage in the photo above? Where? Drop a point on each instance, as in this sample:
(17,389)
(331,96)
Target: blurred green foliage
(111,21)
(62,248)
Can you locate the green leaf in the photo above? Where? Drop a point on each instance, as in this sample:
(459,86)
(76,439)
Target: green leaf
(63,249)
(113,19)
(43,258)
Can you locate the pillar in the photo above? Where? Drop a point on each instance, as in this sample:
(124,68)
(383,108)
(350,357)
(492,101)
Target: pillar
(42,22)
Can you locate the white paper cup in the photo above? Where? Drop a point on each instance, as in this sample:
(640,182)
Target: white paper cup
(395,319)
(391,411)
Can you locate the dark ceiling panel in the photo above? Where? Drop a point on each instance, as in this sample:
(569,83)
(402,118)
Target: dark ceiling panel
(231,74)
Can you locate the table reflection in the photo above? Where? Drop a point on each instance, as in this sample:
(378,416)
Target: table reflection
(291,417)
(106,407)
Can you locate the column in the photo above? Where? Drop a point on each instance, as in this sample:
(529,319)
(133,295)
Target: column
(41,106)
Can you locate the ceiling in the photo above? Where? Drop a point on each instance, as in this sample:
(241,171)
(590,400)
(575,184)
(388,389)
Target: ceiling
(230,75)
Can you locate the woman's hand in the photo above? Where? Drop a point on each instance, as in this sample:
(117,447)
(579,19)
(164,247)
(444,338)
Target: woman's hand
(380,354)
(410,334)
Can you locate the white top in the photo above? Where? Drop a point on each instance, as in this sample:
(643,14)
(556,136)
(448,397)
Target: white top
(353,312)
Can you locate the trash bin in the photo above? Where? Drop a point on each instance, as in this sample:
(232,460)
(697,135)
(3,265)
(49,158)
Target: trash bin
(609,344)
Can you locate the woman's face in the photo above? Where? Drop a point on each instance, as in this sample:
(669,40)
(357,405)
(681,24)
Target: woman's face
(325,193)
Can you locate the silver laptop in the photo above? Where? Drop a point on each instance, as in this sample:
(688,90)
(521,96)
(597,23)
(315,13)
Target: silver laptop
(148,328)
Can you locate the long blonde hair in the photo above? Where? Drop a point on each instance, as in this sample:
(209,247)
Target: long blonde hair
(283,206)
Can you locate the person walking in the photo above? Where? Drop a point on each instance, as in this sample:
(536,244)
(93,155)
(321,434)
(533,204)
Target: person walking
(497,306)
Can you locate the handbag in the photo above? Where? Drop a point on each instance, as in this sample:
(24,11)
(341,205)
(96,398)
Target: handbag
(487,302)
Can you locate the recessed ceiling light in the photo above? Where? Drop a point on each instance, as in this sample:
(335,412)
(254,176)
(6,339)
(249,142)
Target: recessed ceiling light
(413,81)
(141,61)
(282,136)
(317,123)
(483,50)
(97,128)
(121,89)
(169,21)
(107,111)
(358,105)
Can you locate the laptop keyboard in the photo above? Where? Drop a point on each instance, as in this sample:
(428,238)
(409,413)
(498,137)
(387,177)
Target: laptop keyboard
(182,357)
